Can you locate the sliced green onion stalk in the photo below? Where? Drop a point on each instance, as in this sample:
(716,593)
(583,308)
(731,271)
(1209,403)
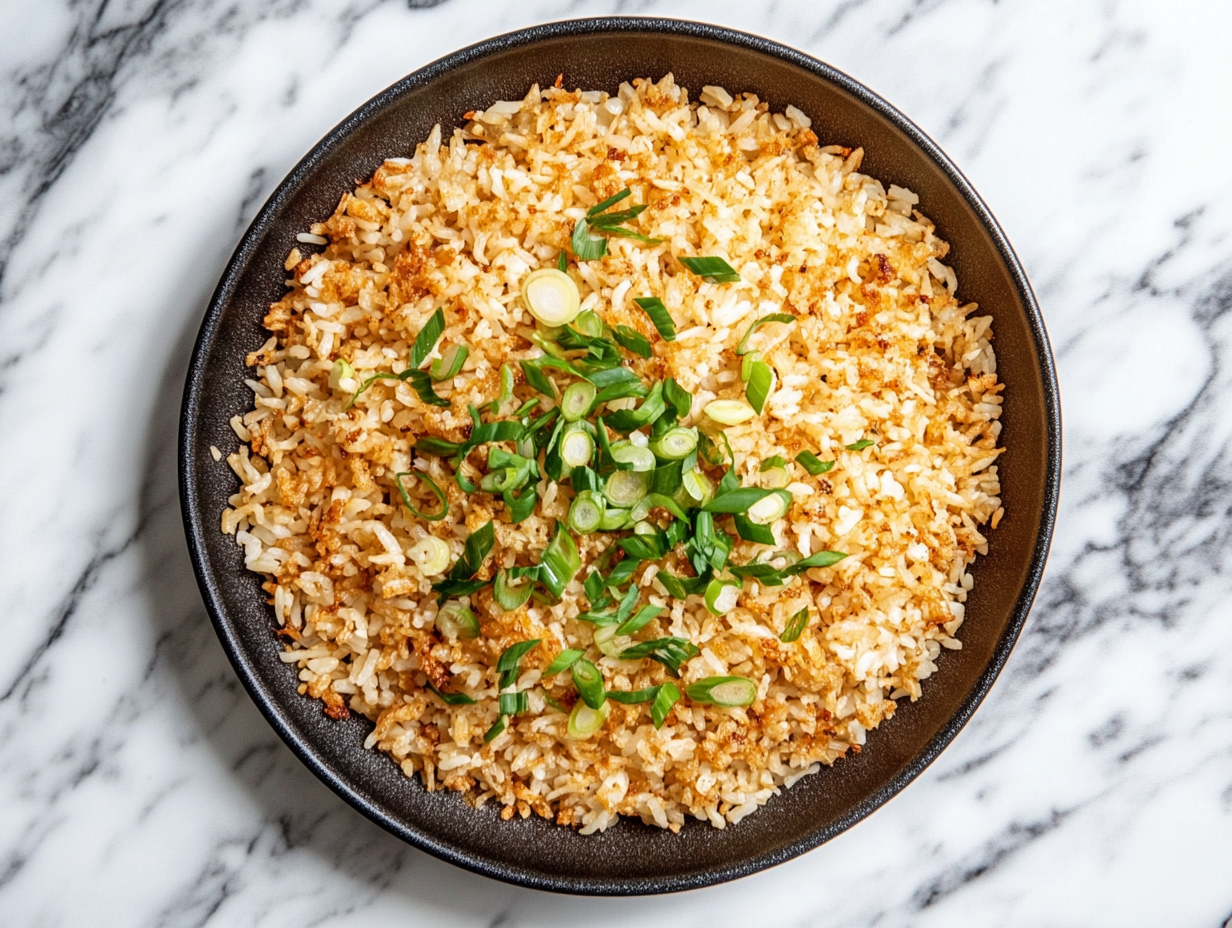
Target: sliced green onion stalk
(639,620)
(497,727)
(562,261)
(860,445)
(712,270)
(653,307)
(746,365)
(406,499)
(342,377)
(589,682)
(448,364)
(644,528)
(577,446)
(729,412)
(510,660)
(614,520)
(795,626)
(562,661)
(668,696)
(431,555)
(760,385)
(723,691)
(587,247)
(450,699)
(509,595)
(775,477)
(624,488)
(813,464)
(560,562)
(427,338)
(589,324)
(771,508)
(506,390)
(652,501)
(585,721)
(514,703)
(633,697)
(722,596)
(551,296)
(626,452)
(609,643)
(632,341)
(577,400)
(498,481)
(675,444)
(586,512)
(699,487)
(455,621)
(743,348)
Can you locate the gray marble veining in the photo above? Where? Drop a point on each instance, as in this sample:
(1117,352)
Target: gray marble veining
(141,786)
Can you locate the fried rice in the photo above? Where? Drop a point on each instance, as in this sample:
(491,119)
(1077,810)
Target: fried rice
(884,371)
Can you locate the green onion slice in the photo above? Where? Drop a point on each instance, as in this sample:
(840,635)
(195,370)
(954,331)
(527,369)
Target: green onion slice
(624,488)
(743,498)
(653,307)
(577,400)
(698,486)
(813,464)
(432,485)
(678,398)
(608,203)
(427,338)
(655,500)
(770,508)
(562,261)
(614,520)
(712,270)
(746,366)
(639,620)
(551,296)
(609,644)
(506,391)
(450,699)
(675,444)
(585,721)
(576,445)
(511,596)
(458,582)
(743,349)
(668,696)
(431,555)
(633,697)
(723,691)
(589,682)
(560,562)
(589,323)
(751,531)
(537,378)
(760,385)
(586,512)
(632,340)
(514,703)
(456,621)
(562,661)
(670,652)
(448,364)
(587,247)
(421,383)
(729,412)
(642,460)
(342,371)
(795,626)
(860,445)
(722,596)
(510,660)
(497,727)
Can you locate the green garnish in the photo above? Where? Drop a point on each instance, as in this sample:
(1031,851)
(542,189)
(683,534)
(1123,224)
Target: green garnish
(455,621)
(459,581)
(510,660)
(742,348)
(590,247)
(813,464)
(497,727)
(711,270)
(560,562)
(667,697)
(589,682)
(740,500)
(670,652)
(775,460)
(448,364)
(662,319)
(760,385)
(577,400)
(508,595)
(432,485)
(585,721)
(633,697)
(795,626)
(450,699)
(632,340)
(860,445)
(562,261)
(768,575)
(563,661)
(537,378)
(586,512)
(514,703)
(722,691)
(421,381)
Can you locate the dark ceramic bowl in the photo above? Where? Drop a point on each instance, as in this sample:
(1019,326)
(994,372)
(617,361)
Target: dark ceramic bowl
(629,858)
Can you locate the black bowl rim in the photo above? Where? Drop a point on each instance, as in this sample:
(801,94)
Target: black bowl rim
(193,399)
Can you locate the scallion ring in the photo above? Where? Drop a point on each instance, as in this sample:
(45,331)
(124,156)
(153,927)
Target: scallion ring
(668,696)
(577,446)
(644,528)
(589,682)
(586,512)
(723,691)
(577,400)
(609,643)
(551,296)
(508,595)
(624,488)
(342,377)
(746,365)
(498,481)
(729,412)
(585,721)
(454,621)
(626,452)
(760,386)
(699,487)
(722,596)
(675,444)
(771,508)
(614,520)
(431,555)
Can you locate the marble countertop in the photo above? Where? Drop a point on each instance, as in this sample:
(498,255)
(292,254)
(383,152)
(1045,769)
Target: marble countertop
(140,784)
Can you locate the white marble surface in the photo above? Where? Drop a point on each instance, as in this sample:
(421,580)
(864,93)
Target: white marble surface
(141,787)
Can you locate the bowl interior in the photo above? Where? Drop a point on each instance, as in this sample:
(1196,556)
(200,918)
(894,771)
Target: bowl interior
(630,857)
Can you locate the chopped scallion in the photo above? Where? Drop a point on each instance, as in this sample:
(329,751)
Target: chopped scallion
(432,485)
(577,447)
(586,512)
(510,660)
(813,464)
(675,444)
(743,348)
(723,691)
(653,307)
(632,340)
(577,400)
(589,682)
(668,696)
(608,643)
(760,385)
(454,621)
(448,364)
(729,412)
(562,661)
(712,270)
(510,595)
(722,596)
(641,459)
(551,296)
(860,445)
(585,721)
(624,488)
(795,626)
(431,555)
